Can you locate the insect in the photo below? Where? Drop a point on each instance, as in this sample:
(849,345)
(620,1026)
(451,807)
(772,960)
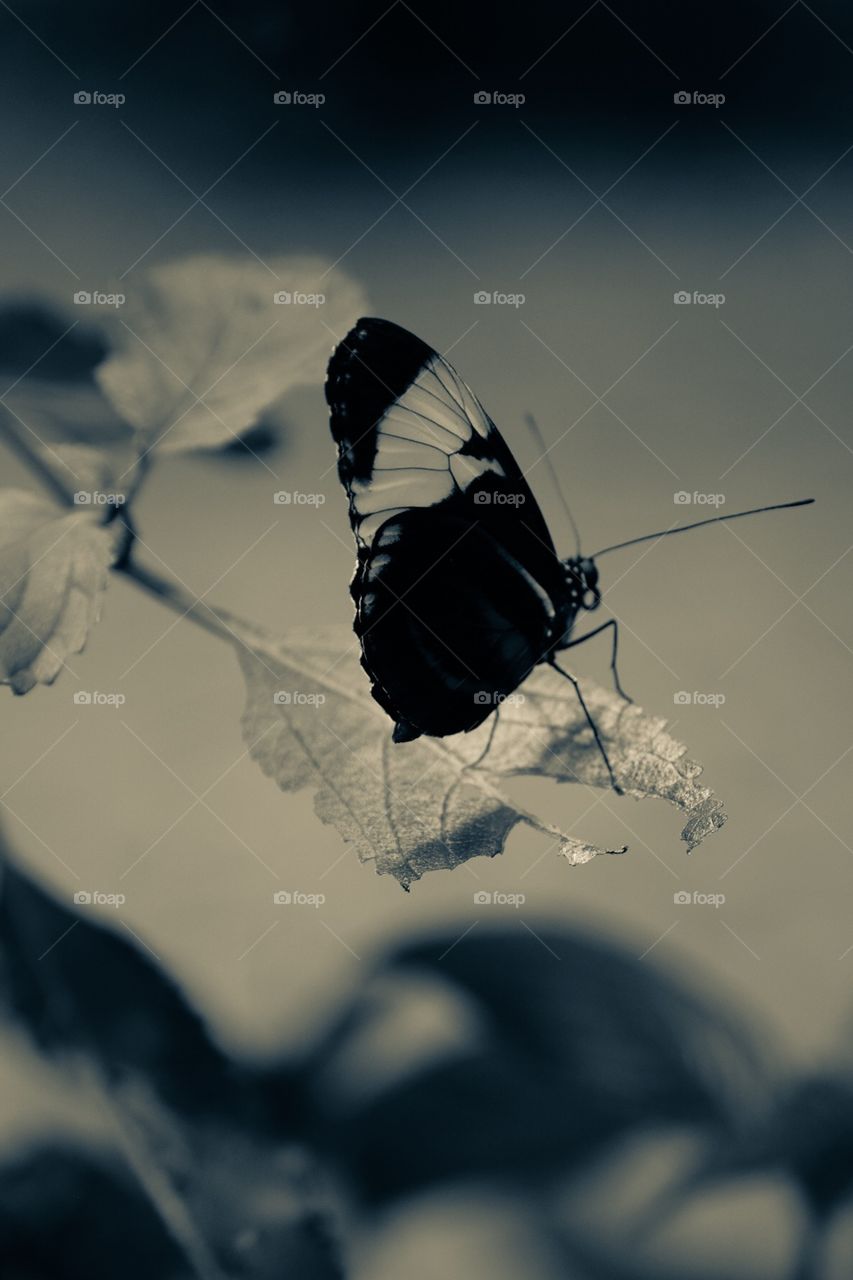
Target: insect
(459,591)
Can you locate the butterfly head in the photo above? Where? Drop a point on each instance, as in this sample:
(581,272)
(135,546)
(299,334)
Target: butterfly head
(582,582)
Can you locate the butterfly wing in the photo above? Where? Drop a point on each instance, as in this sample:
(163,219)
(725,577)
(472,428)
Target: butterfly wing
(458,587)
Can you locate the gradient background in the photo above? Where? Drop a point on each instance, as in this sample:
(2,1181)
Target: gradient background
(703,398)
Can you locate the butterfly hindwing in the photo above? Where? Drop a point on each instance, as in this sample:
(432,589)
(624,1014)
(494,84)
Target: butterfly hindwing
(456,569)
(447,622)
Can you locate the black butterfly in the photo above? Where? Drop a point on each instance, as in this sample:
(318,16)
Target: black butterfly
(459,590)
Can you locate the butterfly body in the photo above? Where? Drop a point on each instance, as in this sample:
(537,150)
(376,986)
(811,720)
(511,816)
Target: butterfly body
(459,591)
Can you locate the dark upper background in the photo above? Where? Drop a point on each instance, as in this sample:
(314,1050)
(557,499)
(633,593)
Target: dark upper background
(413,73)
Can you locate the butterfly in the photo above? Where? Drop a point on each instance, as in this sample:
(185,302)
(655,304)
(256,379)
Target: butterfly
(459,591)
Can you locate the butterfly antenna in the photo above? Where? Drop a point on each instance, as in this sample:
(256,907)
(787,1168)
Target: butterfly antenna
(697,524)
(533,427)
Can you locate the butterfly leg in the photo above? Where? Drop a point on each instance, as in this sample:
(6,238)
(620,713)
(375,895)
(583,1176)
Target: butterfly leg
(445,808)
(614,784)
(493,728)
(613,653)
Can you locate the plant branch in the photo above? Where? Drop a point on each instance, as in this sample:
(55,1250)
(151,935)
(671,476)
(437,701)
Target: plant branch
(17,437)
(183,602)
(163,588)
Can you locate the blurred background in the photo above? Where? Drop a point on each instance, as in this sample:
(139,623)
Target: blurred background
(598,199)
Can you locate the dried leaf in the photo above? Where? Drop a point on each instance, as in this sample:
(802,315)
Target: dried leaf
(53,571)
(426,805)
(544,732)
(203,347)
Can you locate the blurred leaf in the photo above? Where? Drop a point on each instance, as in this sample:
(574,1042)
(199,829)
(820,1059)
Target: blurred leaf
(53,572)
(569,1045)
(810,1134)
(73,411)
(198,1131)
(81,467)
(77,985)
(203,347)
(805,1132)
(254,442)
(38,341)
(65,1214)
(416,807)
